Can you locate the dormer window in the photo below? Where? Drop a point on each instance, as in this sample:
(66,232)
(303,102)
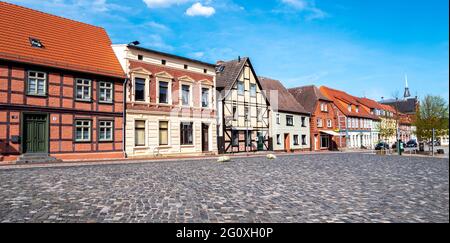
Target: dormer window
(36,43)
(357,109)
(349,108)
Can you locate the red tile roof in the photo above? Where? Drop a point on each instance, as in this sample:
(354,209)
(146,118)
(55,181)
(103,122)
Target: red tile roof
(341,100)
(68,44)
(371,103)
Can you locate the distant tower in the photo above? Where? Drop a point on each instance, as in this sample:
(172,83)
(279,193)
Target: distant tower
(407,94)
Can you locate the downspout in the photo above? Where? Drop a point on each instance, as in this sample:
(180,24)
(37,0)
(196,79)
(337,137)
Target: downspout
(124,119)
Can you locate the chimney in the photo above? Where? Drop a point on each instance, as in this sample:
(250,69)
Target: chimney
(239,58)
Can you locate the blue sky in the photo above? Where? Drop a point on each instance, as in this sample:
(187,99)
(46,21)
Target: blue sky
(363,47)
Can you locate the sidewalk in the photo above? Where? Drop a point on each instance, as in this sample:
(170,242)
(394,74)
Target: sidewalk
(70,163)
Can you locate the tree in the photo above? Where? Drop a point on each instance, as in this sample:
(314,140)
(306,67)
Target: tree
(433,113)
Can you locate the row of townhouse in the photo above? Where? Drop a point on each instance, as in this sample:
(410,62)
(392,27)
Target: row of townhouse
(88,99)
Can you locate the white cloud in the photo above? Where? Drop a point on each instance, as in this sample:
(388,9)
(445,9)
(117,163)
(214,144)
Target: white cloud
(163,3)
(298,4)
(159,26)
(197,9)
(306,6)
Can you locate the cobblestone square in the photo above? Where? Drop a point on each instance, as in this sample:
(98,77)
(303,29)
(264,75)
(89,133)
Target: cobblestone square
(300,188)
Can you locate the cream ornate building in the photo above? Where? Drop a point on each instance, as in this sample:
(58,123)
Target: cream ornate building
(170,104)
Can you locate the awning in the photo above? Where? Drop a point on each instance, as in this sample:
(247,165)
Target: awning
(332,133)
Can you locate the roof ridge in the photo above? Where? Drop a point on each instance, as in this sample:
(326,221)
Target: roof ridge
(53,15)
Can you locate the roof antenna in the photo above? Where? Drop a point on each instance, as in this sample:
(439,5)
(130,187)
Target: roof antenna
(134,43)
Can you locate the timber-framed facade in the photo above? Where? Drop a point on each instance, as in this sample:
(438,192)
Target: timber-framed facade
(244,114)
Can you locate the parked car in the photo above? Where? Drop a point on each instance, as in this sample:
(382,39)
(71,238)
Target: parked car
(436,143)
(394,146)
(382,145)
(411,143)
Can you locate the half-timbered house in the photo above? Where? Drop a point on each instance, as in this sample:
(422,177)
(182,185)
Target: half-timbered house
(61,89)
(243,109)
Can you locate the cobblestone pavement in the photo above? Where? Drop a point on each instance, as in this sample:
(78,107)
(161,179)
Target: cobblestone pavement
(301,188)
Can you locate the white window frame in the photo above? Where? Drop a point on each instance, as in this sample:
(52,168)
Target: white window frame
(37,80)
(83,86)
(210,94)
(319,122)
(191,96)
(83,126)
(253,94)
(169,90)
(109,99)
(168,133)
(145,133)
(100,126)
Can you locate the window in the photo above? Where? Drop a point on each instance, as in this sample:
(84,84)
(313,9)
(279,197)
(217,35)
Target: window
(246,113)
(296,140)
(258,114)
(324,141)
(248,138)
(163,62)
(357,109)
(36,43)
(235,114)
(139,89)
(186,66)
(349,108)
(205,70)
(235,137)
(241,88)
(289,121)
(303,119)
(83,89)
(185,94)
(278,139)
(163,133)
(105,92)
(278,119)
(82,130)
(205,97)
(253,89)
(186,133)
(304,140)
(163,92)
(37,83)
(319,122)
(139,133)
(323,107)
(105,131)
(329,123)
(140,57)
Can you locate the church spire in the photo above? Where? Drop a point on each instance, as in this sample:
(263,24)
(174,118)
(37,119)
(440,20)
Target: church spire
(407,94)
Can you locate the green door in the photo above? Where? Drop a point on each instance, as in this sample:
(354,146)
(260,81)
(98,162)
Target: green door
(260,141)
(35,133)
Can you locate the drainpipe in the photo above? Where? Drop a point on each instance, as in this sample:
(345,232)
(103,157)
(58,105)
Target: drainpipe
(124,119)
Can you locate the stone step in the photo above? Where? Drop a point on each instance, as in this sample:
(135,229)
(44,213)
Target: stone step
(36,158)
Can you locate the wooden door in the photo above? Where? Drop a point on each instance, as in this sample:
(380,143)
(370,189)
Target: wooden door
(35,134)
(287,142)
(205,137)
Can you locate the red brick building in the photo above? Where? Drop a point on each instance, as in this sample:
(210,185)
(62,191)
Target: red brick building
(61,88)
(323,124)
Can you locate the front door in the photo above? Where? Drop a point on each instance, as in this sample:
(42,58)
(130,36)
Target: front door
(35,133)
(287,142)
(205,137)
(260,141)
